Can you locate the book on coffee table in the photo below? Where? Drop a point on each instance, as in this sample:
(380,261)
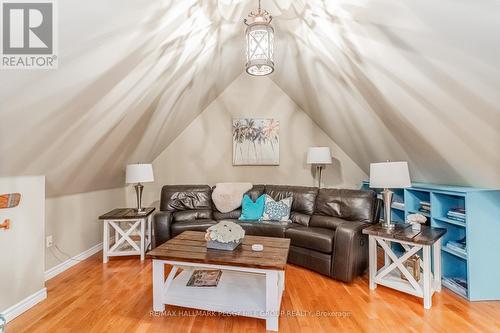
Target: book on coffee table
(205,278)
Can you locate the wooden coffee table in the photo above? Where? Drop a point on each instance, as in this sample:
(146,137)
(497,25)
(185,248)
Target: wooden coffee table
(251,284)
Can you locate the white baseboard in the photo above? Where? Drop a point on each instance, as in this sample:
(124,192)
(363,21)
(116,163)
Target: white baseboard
(25,304)
(52,272)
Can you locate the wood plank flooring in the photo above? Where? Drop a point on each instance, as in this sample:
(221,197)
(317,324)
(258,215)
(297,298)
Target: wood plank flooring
(117,297)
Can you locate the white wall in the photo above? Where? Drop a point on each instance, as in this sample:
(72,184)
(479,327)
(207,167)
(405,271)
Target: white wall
(72,221)
(22,247)
(202,153)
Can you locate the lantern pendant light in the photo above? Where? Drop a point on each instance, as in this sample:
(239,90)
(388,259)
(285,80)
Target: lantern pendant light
(260,39)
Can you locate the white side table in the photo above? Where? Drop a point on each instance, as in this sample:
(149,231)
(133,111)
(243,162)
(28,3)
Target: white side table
(125,222)
(412,242)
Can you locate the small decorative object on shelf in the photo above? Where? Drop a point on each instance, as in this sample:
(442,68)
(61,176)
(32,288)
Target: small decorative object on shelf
(416,220)
(413,266)
(224,235)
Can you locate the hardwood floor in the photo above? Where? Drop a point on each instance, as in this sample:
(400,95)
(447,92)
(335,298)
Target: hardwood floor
(117,297)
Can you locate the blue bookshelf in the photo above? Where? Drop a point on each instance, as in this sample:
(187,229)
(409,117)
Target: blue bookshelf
(478,265)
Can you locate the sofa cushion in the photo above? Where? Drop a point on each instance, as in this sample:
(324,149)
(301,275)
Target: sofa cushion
(351,205)
(195,214)
(313,238)
(303,200)
(263,228)
(317,261)
(185,197)
(234,214)
(194,225)
(329,222)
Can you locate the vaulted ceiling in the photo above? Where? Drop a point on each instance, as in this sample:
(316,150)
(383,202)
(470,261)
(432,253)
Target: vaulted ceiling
(400,80)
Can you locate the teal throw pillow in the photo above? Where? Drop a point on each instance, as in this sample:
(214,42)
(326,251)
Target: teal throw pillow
(252,211)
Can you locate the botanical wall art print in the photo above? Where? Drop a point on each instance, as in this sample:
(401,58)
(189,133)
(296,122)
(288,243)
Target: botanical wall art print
(256,141)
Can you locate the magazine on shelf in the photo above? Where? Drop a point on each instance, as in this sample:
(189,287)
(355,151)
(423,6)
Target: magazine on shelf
(458,244)
(399,205)
(454,218)
(205,278)
(457,285)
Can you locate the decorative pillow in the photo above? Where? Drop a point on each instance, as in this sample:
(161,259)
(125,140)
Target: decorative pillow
(227,196)
(252,211)
(277,210)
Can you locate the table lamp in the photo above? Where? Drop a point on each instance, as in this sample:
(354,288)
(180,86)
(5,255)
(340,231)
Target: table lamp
(389,175)
(137,174)
(319,156)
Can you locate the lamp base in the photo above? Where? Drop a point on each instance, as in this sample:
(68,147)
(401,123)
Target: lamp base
(138,193)
(319,171)
(388,226)
(387,196)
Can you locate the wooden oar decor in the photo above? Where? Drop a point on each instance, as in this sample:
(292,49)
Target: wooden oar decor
(9,200)
(5,225)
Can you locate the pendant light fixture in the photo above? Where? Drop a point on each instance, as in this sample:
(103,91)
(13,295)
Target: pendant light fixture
(260,40)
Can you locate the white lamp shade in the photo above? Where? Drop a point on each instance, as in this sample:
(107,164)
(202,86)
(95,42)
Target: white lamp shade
(139,173)
(389,175)
(319,155)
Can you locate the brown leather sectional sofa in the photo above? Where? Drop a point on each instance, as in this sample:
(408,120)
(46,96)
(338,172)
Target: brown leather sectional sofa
(325,231)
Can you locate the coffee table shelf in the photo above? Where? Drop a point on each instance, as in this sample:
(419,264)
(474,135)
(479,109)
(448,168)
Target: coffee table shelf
(237,293)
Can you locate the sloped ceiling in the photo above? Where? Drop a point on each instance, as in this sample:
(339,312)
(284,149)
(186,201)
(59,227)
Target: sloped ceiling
(400,80)
(133,74)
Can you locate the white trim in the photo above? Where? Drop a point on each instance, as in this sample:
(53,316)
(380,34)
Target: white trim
(25,304)
(58,269)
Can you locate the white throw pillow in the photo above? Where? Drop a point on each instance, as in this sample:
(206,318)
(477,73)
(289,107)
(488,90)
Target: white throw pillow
(227,196)
(277,210)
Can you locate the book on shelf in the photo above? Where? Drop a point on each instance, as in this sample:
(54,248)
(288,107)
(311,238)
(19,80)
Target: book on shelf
(456,214)
(205,278)
(425,207)
(457,244)
(462,242)
(458,285)
(457,249)
(454,218)
(399,205)
(423,210)
(458,210)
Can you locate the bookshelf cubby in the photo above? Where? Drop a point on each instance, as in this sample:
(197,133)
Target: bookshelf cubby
(477,264)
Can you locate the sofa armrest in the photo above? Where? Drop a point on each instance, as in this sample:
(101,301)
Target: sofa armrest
(350,253)
(162,222)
